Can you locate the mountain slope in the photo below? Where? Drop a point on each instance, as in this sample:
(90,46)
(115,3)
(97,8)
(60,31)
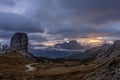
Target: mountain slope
(107,65)
(13,61)
(90,53)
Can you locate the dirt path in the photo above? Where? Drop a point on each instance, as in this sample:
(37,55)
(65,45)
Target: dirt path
(31,67)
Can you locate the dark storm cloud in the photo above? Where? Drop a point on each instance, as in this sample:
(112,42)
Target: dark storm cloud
(48,13)
(7,3)
(37,38)
(84,31)
(65,18)
(96,11)
(18,23)
(76,13)
(5,34)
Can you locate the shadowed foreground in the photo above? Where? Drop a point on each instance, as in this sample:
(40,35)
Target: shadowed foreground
(13,66)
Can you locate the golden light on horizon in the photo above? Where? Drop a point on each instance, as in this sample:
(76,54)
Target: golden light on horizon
(94,41)
(49,43)
(91,41)
(88,41)
(46,43)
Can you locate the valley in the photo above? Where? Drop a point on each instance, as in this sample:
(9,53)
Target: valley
(105,67)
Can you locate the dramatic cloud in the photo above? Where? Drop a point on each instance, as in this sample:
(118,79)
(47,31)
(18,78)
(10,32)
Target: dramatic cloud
(59,19)
(7,3)
(18,23)
(97,11)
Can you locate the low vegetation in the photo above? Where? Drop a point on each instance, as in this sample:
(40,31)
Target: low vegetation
(12,67)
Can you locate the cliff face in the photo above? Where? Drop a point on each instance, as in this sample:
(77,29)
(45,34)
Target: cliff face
(19,42)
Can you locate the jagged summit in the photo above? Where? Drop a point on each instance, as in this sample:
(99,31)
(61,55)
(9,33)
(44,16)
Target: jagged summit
(69,45)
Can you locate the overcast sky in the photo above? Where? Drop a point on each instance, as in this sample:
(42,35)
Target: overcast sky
(56,20)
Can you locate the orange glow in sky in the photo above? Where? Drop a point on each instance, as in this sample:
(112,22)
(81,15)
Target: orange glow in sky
(94,41)
(90,41)
(49,43)
(87,41)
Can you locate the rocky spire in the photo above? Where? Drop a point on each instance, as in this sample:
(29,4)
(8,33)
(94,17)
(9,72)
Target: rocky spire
(19,42)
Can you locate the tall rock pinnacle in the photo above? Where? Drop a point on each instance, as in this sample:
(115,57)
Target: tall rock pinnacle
(19,42)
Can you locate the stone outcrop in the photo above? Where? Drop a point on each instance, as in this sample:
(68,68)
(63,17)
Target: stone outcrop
(19,42)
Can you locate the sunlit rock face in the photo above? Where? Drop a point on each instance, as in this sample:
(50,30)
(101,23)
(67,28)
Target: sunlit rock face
(19,42)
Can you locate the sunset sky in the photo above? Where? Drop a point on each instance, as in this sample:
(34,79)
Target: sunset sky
(55,21)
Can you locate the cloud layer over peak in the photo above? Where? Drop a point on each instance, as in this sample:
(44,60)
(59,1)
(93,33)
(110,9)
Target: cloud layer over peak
(59,19)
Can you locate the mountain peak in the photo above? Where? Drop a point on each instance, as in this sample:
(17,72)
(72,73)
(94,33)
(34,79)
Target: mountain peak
(74,45)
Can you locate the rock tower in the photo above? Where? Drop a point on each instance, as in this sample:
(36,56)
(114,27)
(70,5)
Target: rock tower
(19,42)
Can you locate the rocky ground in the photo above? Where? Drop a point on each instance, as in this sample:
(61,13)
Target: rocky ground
(14,66)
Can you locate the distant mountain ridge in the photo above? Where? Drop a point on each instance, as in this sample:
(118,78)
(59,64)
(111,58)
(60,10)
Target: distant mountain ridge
(48,53)
(92,52)
(72,45)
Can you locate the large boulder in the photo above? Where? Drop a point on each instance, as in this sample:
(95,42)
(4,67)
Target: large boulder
(19,42)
